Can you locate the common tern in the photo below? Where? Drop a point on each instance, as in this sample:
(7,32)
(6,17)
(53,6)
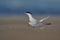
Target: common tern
(34,22)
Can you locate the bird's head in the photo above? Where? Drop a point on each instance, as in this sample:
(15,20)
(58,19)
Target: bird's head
(28,12)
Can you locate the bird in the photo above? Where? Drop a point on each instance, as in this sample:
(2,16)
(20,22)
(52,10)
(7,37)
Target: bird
(34,22)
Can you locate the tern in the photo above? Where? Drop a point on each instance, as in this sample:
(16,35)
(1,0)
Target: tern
(34,22)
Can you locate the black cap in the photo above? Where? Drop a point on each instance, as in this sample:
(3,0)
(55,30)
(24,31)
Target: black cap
(28,12)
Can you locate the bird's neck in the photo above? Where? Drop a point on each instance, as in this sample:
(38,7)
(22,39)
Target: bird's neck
(30,17)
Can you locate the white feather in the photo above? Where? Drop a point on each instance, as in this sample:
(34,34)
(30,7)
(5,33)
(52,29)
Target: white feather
(35,22)
(43,19)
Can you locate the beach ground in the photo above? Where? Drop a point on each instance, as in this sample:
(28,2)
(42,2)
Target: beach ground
(17,28)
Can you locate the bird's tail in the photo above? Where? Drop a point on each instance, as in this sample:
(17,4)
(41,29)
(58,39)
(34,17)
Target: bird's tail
(43,19)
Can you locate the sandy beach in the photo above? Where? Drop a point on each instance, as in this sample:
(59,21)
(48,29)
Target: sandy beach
(16,28)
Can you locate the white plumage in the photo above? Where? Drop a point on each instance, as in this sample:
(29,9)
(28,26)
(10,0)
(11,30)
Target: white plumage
(35,22)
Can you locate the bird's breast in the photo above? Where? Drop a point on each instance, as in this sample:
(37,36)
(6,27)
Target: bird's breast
(34,23)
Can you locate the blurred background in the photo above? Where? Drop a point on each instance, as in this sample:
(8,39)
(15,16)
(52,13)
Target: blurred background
(37,7)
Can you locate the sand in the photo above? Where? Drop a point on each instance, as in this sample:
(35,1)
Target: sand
(16,28)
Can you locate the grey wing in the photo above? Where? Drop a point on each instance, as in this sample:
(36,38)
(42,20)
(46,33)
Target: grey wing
(43,19)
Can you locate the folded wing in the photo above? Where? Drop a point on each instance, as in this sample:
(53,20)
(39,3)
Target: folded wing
(43,19)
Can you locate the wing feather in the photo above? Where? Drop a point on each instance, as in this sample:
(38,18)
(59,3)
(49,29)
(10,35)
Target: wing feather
(43,19)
